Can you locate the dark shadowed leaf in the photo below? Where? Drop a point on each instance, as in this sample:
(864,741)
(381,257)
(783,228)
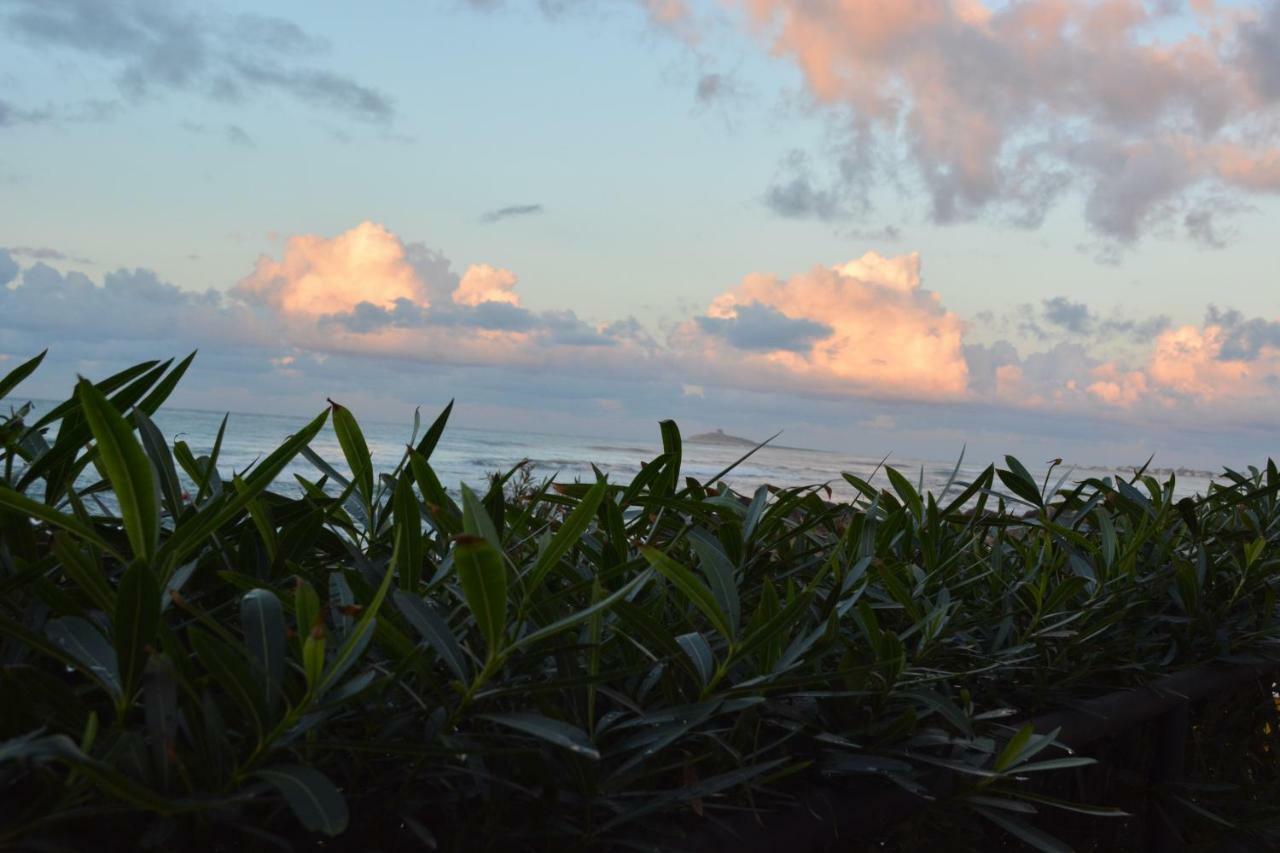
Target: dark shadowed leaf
(314,800)
(557,732)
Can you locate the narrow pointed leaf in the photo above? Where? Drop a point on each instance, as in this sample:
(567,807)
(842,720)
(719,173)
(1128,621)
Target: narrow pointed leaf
(557,732)
(314,800)
(262,619)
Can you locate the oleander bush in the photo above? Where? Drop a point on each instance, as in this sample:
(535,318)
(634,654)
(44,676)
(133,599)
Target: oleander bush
(198,658)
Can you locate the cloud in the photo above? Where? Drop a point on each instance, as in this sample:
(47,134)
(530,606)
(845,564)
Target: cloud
(866,330)
(1005,109)
(755,326)
(236,135)
(1243,339)
(318,276)
(44,253)
(1072,316)
(880,422)
(1260,40)
(484,283)
(869,328)
(511,212)
(8,268)
(160,46)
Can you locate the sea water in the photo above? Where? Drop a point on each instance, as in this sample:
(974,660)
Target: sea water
(471,456)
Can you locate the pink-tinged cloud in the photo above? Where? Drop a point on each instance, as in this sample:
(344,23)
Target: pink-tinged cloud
(1191,360)
(1200,364)
(1011,105)
(873,329)
(317,276)
(484,283)
(1118,387)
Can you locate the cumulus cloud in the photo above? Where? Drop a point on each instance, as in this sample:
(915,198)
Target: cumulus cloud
(318,276)
(1005,108)
(484,283)
(161,46)
(866,326)
(1229,361)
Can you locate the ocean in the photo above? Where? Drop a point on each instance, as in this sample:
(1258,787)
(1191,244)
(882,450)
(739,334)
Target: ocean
(471,455)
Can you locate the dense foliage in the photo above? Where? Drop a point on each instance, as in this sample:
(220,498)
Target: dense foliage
(195,655)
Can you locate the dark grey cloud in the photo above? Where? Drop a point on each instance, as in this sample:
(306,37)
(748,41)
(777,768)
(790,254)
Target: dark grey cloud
(1244,337)
(44,253)
(11,116)
(1072,316)
(983,360)
(1201,227)
(1141,331)
(554,327)
(756,326)
(1260,40)
(161,46)
(130,304)
(511,212)
(237,136)
(796,194)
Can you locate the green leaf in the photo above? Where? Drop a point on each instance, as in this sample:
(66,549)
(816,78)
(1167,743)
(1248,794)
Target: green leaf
(695,646)
(1019,481)
(137,618)
(262,618)
(84,571)
(1014,748)
(230,671)
(354,645)
(476,520)
(432,627)
(429,441)
(161,461)
(720,574)
(407,555)
(630,588)
(28,508)
(483,578)
(306,606)
(19,373)
(557,732)
(314,800)
(78,638)
(356,451)
(692,588)
(566,537)
(910,497)
(128,469)
(1037,838)
(194,531)
(672,448)
(160,704)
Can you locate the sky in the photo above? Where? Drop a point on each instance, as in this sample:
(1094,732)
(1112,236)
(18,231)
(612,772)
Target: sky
(1034,226)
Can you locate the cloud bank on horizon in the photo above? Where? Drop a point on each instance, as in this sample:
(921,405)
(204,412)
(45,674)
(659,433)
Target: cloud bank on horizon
(866,328)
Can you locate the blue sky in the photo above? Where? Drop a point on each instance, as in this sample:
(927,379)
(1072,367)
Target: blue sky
(690,180)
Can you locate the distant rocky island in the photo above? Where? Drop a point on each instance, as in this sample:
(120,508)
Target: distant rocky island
(723,439)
